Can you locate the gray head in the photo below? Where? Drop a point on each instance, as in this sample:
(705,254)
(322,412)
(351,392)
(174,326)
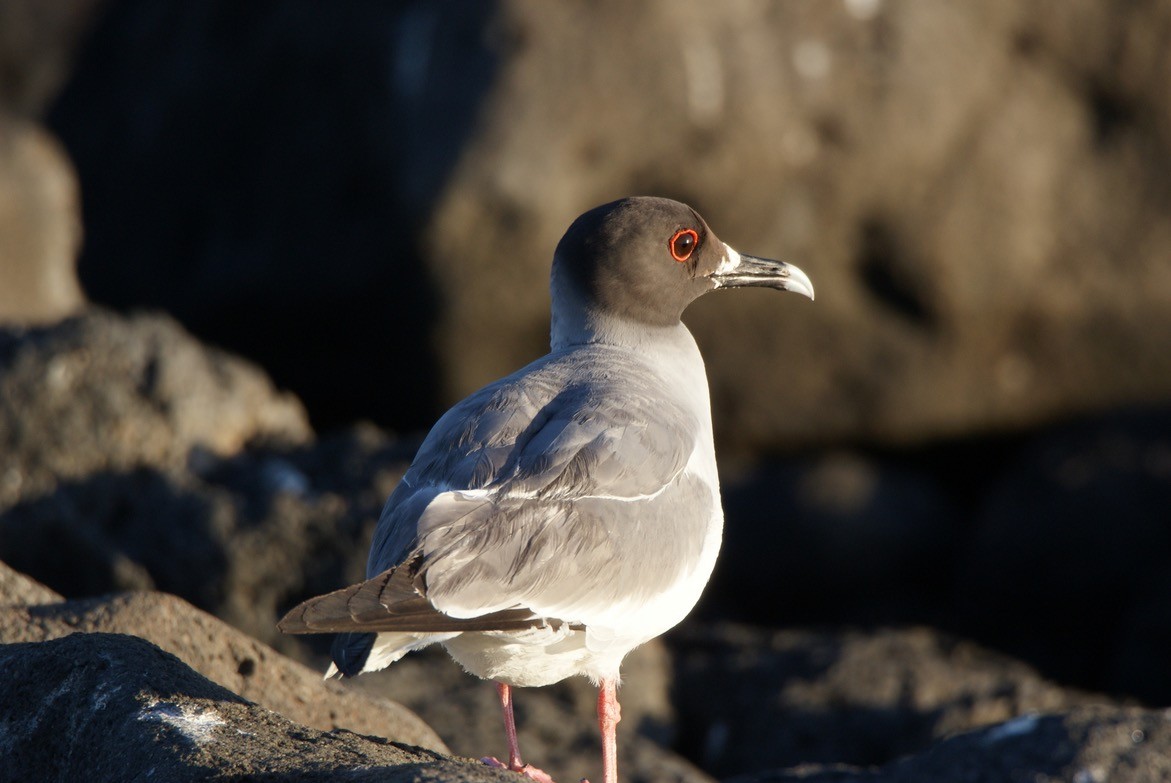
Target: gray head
(646,259)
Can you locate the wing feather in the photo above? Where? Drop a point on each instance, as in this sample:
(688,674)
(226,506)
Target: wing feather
(535,501)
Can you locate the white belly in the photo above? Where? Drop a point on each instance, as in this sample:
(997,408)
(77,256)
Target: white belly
(542,656)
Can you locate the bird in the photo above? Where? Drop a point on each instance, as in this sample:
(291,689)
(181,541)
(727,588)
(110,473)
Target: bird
(565,514)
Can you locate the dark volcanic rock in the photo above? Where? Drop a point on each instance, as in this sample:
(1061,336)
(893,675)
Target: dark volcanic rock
(834,538)
(243,537)
(1070,561)
(104,707)
(103,392)
(122,466)
(223,655)
(752,700)
(980,194)
(1089,745)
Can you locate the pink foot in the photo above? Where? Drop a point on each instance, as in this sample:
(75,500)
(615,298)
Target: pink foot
(528,770)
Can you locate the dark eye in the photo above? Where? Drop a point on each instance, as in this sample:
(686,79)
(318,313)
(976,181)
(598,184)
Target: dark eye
(683,244)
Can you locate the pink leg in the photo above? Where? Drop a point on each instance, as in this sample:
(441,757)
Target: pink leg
(609,713)
(514,761)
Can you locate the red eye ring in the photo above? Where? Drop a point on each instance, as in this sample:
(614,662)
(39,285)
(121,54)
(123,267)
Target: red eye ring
(683,244)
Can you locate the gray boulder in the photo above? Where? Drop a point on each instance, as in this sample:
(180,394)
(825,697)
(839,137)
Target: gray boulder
(223,655)
(103,392)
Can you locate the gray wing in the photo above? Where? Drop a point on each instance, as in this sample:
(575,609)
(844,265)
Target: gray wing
(551,491)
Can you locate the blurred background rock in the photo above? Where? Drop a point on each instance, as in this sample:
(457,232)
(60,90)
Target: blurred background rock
(356,203)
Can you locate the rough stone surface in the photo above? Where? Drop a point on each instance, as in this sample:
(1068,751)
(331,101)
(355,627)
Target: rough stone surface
(753,699)
(1090,745)
(979,191)
(18,589)
(108,707)
(243,537)
(103,392)
(225,656)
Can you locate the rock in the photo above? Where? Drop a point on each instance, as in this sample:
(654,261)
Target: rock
(108,707)
(557,725)
(117,441)
(836,537)
(979,194)
(40,226)
(103,392)
(16,588)
(225,656)
(750,700)
(40,217)
(243,537)
(1069,561)
(1089,745)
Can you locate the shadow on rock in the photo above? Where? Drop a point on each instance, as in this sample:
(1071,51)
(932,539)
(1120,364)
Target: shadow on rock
(754,699)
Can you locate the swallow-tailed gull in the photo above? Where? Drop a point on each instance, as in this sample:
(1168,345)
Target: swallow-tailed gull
(560,517)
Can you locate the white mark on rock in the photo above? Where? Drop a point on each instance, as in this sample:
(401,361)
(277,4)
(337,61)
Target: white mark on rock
(195,724)
(1089,775)
(102,696)
(281,476)
(1018,726)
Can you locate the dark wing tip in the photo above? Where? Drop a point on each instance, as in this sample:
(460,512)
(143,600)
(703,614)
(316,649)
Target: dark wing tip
(393,601)
(294,621)
(324,614)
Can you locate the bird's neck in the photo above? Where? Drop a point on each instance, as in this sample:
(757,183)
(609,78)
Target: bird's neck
(576,323)
(668,351)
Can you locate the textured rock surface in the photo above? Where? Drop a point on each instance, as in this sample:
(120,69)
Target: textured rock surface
(1091,745)
(77,701)
(108,707)
(754,699)
(104,392)
(243,537)
(18,589)
(979,191)
(223,655)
